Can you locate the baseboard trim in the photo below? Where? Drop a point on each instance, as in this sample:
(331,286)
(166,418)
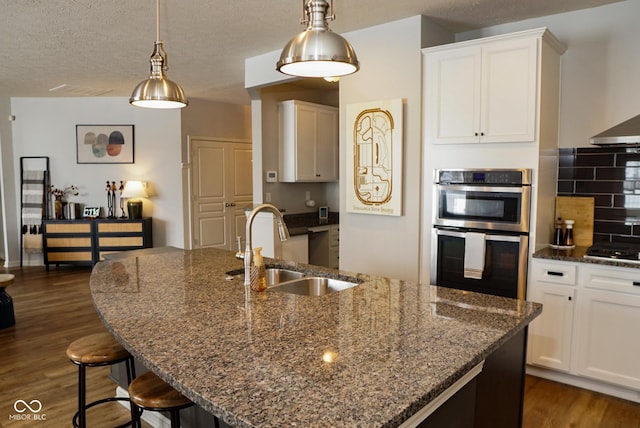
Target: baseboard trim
(585,383)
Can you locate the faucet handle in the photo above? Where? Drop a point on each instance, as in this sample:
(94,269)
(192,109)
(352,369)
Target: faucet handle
(239,253)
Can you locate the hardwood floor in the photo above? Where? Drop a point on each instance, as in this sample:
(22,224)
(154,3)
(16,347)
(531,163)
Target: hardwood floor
(550,404)
(54,308)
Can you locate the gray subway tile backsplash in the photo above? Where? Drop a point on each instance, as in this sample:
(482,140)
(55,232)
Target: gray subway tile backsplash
(612,176)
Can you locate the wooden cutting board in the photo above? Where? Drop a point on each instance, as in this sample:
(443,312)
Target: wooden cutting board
(579,209)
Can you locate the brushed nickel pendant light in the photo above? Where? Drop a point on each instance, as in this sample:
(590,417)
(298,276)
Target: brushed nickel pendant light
(317,51)
(157,91)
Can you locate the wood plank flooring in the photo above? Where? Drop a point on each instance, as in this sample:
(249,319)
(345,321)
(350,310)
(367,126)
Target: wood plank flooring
(54,308)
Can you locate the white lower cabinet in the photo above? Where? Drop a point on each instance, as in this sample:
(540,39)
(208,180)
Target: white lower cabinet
(554,285)
(589,323)
(550,334)
(607,345)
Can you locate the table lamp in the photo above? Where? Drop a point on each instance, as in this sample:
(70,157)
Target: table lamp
(134,190)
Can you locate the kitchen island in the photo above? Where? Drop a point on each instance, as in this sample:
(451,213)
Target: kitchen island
(373,355)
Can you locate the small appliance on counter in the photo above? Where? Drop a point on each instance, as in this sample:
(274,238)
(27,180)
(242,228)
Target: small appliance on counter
(323,215)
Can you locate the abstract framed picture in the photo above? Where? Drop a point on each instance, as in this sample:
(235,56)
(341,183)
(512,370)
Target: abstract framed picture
(374,157)
(104,143)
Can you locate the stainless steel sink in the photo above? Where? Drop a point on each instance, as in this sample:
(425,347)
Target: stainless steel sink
(313,286)
(274,275)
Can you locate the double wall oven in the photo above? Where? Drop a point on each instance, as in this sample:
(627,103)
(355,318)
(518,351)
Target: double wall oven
(480,236)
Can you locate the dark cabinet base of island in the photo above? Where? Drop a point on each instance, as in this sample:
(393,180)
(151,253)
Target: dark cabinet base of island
(494,398)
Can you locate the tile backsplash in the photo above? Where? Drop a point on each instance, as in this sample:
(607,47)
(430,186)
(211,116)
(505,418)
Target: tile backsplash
(612,176)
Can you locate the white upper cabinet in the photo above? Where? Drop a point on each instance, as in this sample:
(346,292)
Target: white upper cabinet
(485,91)
(308,143)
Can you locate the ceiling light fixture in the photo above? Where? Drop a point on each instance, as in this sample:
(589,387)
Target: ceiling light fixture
(317,51)
(157,91)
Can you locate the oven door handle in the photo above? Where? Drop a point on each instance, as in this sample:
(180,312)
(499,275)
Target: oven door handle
(491,189)
(488,237)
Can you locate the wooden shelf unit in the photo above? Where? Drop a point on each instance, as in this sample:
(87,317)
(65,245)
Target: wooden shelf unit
(85,242)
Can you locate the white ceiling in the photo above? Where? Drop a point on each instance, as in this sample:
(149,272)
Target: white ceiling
(104,46)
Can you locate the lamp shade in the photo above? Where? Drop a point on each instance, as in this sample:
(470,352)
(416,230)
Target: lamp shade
(317,51)
(134,189)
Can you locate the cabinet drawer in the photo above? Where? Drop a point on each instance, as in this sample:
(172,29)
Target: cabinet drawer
(611,279)
(69,242)
(68,228)
(119,227)
(120,241)
(555,273)
(69,256)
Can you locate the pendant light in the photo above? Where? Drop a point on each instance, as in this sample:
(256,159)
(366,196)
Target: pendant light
(317,51)
(157,91)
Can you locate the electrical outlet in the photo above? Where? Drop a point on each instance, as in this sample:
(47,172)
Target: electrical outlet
(307,196)
(267,197)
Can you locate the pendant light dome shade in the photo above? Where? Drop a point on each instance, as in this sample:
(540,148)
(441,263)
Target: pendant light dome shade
(157,91)
(317,51)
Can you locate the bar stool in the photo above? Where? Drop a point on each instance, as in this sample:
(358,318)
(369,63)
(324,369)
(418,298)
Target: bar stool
(95,350)
(7,316)
(149,392)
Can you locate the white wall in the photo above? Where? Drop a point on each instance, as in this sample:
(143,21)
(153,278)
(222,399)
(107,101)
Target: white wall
(390,67)
(47,127)
(6,171)
(600,69)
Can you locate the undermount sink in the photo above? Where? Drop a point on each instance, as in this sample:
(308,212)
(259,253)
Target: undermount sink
(274,275)
(313,286)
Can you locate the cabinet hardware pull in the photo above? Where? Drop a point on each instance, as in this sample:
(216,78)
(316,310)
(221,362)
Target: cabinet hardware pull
(550,272)
(636,283)
(569,297)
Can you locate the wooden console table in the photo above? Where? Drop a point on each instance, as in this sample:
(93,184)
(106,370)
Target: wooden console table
(85,242)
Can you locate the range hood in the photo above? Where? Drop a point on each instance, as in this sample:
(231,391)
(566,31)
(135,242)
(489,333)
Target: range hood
(627,132)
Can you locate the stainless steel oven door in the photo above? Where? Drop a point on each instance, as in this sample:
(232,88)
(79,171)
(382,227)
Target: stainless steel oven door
(505,270)
(493,208)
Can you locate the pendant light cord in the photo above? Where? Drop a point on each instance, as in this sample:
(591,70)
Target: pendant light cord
(157,20)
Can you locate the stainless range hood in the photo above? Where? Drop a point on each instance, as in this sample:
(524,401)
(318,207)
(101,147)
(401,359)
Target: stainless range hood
(627,132)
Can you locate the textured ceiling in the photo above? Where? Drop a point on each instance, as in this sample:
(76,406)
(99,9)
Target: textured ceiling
(102,47)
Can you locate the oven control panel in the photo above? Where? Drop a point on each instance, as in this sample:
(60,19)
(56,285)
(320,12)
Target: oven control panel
(507,177)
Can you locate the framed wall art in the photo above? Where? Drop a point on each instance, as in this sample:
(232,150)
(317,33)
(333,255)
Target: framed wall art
(104,143)
(374,157)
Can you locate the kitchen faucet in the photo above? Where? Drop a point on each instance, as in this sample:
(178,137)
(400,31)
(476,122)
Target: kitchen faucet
(283,232)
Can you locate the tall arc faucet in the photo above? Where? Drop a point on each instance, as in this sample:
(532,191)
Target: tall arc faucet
(283,232)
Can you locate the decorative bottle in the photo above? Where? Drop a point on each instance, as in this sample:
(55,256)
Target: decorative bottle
(258,271)
(558,235)
(568,236)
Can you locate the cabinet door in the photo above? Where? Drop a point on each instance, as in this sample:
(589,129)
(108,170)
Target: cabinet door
(306,129)
(607,333)
(550,334)
(509,89)
(453,101)
(326,147)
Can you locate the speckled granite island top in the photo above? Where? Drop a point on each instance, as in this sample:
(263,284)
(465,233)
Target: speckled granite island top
(371,355)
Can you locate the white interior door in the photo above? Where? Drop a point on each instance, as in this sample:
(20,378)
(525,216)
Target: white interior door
(221,188)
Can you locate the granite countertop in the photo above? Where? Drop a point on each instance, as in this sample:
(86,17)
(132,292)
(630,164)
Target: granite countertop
(371,355)
(577,255)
